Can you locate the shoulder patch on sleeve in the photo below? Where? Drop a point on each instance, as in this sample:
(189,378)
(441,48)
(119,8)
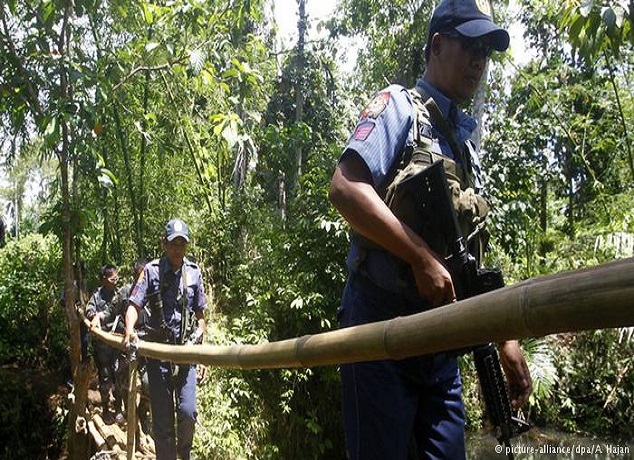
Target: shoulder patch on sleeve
(363,130)
(377,106)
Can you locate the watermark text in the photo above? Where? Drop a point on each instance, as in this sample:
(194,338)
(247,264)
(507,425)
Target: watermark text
(578,449)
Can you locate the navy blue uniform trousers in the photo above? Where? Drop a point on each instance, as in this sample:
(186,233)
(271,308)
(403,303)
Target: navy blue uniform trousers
(163,388)
(397,410)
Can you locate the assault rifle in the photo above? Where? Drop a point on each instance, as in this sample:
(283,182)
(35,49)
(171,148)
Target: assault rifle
(163,334)
(441,230)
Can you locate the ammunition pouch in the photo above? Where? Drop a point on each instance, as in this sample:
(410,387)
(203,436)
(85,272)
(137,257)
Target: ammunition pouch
(150,334)
(470,207)
(160,334)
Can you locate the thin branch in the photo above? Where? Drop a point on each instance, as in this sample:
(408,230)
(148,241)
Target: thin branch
(33,100)
(621,115)
(136,70)
(190,146)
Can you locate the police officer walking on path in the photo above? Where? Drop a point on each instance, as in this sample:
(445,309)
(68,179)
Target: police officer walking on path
(173,288)
(412,408)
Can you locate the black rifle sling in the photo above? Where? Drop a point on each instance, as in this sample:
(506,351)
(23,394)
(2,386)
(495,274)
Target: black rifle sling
(184,310)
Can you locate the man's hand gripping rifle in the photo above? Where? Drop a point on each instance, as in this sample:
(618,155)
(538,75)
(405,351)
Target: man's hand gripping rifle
(442,232)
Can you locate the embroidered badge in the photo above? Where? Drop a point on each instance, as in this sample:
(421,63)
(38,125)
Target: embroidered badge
(363,131)
(377,106)
(484,7)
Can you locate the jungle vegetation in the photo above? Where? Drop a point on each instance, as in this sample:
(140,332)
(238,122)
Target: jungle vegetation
(123,114)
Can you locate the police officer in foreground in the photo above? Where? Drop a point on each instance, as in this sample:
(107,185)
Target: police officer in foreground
(173,288)
(412,408)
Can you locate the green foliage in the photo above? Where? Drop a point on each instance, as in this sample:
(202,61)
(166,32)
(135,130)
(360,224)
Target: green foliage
(32,320)
(540,357)
(554,163)
(593,394)
(471,393)
(232,424)
(395,33)
(30,425)
(179,108)
(282,279)
(594,27)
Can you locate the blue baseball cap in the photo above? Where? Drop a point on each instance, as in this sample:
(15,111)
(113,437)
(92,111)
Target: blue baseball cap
(471,18)
(176,228)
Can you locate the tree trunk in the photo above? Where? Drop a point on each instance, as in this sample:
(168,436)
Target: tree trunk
(299,88)
(77,429)
(127,163)
(142,161)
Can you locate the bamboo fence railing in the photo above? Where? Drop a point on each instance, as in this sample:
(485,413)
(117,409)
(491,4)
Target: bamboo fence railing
(593,298)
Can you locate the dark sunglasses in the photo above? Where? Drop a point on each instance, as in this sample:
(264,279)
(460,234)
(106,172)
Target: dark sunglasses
(476,47)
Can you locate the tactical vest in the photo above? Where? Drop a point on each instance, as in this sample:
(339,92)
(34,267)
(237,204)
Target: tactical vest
(470,207)
(156,313)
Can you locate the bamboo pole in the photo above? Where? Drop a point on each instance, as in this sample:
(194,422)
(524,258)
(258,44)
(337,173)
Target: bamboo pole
(593,298)
(131,407)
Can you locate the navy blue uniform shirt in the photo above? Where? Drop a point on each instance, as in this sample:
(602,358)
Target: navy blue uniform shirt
(383,131)
(172,291)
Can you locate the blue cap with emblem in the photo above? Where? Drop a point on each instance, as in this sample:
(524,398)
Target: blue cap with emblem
(176,228)
(471,18)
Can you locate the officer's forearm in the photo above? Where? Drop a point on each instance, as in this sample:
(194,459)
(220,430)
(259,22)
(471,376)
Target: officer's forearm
(357,201)
(202,325)
(131,317)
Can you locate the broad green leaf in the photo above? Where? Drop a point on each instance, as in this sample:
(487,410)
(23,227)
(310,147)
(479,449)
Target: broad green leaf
(151,46)
(230,134)
(148,16)
(609,17)
(196,60)
(48,8)
(576,28)
(107,178)
(230,73)
(100,160)
(51,133)
(586,7)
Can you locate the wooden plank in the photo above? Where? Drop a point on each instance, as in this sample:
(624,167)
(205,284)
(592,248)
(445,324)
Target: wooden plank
(119,434)
(107,432)
(100,442)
